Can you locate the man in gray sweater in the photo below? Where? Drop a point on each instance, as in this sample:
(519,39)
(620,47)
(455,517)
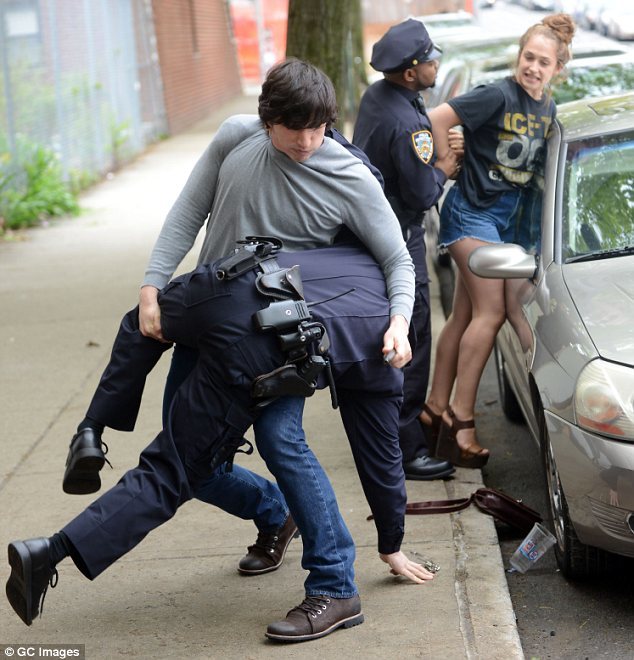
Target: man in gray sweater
(277,174)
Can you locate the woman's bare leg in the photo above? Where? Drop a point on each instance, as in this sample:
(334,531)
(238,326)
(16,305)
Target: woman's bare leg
(476,343)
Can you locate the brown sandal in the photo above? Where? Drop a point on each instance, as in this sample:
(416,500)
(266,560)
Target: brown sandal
(431,430)
(473,456)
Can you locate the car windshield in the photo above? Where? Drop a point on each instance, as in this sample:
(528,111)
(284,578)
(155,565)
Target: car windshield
(598,198)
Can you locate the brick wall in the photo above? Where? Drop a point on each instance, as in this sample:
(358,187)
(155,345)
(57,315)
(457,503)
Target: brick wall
(198,59)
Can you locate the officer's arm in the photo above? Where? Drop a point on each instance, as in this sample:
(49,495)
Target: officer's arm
(420,182)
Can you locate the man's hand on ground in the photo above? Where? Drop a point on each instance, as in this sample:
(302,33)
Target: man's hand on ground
(400,564)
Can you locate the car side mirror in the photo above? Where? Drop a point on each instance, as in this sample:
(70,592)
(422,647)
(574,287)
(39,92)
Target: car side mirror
(503,261)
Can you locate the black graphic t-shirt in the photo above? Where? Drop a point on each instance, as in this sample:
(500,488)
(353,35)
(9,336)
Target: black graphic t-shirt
(505,132)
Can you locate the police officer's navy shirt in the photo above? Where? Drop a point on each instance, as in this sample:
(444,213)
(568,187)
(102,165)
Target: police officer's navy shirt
(396,136)
(505,134)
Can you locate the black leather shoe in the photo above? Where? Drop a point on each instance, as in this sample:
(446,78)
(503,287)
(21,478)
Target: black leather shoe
(316,617)
(85,458)
(269,550)
(31,575)
(426,468)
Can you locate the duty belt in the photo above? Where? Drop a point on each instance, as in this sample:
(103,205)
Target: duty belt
(303,341)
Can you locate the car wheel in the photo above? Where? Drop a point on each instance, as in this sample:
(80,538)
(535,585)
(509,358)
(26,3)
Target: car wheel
(575,559)
(508,400)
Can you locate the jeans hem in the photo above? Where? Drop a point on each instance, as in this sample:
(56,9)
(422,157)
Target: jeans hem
(331,594)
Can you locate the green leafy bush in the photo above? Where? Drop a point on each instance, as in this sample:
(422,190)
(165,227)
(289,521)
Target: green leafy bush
(32,187)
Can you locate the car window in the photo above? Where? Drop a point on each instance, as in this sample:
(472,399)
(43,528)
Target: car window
(587,81)
(457,55)
(597,77)
(598,196)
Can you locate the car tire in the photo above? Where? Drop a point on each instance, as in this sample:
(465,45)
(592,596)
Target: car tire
(576,560)
(508,400)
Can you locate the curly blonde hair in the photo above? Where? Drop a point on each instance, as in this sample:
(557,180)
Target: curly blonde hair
(560,28)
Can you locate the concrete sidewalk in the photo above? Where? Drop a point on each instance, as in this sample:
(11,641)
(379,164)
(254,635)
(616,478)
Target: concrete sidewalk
(63,290)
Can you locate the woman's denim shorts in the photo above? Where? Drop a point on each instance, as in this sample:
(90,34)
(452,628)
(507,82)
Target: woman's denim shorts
(508,220)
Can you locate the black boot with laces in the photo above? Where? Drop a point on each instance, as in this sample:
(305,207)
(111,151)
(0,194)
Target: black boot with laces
(86,456)
(32,571)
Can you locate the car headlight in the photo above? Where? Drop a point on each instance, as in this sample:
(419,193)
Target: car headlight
(604,399)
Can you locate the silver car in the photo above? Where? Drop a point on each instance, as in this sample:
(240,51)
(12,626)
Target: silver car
(565,357)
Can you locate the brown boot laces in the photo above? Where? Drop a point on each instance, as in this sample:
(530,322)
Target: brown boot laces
(313,605)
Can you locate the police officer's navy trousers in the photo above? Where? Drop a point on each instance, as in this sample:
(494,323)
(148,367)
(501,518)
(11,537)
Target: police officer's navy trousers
(411,434)
(213,407)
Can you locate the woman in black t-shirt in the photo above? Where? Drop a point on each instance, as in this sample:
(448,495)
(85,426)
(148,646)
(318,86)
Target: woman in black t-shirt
(505,127)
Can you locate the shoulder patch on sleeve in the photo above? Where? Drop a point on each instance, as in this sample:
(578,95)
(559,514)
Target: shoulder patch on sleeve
(423,142)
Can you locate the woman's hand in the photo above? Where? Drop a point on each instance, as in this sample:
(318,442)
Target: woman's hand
(150,313)
(400,564)
(396,342)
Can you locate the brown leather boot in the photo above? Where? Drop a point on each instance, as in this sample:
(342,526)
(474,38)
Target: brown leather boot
(269,550)
(316,617)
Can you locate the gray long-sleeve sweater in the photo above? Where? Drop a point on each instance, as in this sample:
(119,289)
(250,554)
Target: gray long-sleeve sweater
(245,186)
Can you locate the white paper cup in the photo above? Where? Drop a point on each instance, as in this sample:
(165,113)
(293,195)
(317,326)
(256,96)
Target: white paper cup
(538,540)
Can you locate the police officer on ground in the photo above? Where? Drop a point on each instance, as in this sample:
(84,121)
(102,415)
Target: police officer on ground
(394,130)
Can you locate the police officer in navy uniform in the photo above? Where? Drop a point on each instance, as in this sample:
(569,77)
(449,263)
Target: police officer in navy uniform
(393,129)
(249,353)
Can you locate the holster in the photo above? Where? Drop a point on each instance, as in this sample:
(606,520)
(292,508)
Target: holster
(255,251)
(283,381)
(283,284)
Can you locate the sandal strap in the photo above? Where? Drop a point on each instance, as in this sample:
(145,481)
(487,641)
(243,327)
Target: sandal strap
(434,417)
(459,424)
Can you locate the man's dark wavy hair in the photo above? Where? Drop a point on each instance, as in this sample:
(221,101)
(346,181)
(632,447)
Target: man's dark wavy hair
(297,95)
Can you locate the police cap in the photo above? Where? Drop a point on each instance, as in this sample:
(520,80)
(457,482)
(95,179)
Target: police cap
(403,46)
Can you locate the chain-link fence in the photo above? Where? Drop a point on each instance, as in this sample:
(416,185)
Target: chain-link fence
(80,77)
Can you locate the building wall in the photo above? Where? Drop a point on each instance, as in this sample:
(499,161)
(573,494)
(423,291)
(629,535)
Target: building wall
(80,78)
(197,56)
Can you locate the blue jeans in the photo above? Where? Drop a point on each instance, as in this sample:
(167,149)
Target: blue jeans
(247,495)
(329,552)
